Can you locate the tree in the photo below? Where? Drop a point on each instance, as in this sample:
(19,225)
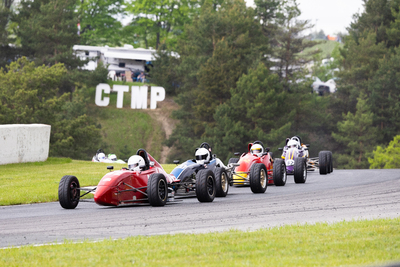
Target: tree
(160,20)
(7,51)
(30,94)
(357,135)
(388,157)
(47,30)
(99,23)
(288,53)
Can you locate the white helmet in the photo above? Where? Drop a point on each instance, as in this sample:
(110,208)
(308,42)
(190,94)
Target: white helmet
(292,143)
(257,149)
(112,157)
(202,155)
(136,163)
(101,156)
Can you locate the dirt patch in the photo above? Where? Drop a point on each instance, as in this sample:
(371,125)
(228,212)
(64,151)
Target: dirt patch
(162,114)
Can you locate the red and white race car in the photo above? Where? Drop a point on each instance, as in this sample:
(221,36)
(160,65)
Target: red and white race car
(143,181)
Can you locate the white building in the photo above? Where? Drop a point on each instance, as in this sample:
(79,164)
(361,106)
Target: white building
(118,59)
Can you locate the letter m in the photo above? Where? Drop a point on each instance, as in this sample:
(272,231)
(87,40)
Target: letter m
(139,97)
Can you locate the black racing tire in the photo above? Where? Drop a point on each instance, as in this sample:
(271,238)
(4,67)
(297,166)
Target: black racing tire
(69,192)
(157,190)
(329,162)
(221,182)
(279,172)
(205,186)
(300,170)
(323,162)
(258,178)
(233,160)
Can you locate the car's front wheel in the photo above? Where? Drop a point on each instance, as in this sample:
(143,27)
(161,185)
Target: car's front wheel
(69,192)
(279,172)
(221,182)
(258,178)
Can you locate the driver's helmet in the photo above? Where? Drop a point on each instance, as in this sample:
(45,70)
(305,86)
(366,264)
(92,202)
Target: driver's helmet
(136,163)
(101,156)
(112,157)
(292,143)
(257,150)
(202,155)
(297,139)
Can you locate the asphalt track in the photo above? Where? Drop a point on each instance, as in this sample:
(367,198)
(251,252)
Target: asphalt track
(341,195)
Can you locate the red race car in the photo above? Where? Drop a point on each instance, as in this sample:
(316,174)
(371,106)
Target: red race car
(254,168)
(143,181)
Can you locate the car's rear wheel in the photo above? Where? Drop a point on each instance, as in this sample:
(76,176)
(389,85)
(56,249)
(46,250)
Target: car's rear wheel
(233,160)
(300,170)
(323,162)
(221,182)
(279,172)
(205,186)
(69,192)
(258,178)
(157,190)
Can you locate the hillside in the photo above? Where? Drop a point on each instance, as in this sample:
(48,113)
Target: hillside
(126,130)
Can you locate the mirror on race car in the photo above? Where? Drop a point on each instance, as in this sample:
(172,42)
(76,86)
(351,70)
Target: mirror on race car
(176,161)
(110,168)
(237,153)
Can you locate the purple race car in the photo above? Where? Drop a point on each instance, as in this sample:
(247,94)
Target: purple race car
(293,160)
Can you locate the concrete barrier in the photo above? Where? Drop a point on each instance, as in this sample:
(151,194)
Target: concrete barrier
(24,143)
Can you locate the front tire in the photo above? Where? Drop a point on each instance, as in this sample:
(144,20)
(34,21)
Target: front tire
(68,192)
(221,182)
(279,172)
(300,170)
(157,190)
(205,186)
(258,178)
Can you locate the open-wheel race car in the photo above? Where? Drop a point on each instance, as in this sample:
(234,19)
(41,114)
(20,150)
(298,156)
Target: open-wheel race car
(189,171)
(254,168)
(293,160)
(102,157)
(144,181)
(298,167)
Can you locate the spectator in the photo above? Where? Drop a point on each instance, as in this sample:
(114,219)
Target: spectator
(141,77)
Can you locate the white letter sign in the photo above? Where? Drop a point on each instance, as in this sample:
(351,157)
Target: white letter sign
(99,92)
(120,94)
(157,94)
(139,97)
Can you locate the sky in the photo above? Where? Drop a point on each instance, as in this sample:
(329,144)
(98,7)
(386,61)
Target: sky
(330,16)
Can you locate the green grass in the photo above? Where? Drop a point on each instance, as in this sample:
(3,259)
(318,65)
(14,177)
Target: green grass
(356,243)
(38,182)
(326,47)
(126,130)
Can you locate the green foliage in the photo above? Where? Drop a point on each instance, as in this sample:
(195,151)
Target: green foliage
(357,134)
(386,158)
(47,30)
(30,94)
(99,25)
(160,21)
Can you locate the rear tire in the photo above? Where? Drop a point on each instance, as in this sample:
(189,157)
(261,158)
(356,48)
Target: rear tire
(221,182)
(68,192)
(279,172)
(233,160)
(258,178)
(300,170)
(157,190)
(205,185)
(330,161)
(323,162)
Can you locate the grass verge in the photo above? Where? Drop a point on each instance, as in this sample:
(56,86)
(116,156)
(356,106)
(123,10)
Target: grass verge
(356,243)
(37,182)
